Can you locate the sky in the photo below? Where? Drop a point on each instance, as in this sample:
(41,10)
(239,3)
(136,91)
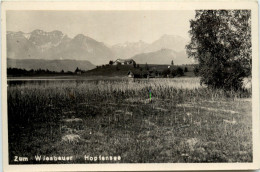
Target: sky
(110,27)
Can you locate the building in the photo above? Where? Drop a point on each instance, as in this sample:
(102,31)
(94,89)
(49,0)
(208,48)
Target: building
(124,62)
(134,74)
(141,74)
(130,74)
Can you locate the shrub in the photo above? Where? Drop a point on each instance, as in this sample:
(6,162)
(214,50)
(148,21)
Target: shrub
(179,71)
(196,71)
(166,72)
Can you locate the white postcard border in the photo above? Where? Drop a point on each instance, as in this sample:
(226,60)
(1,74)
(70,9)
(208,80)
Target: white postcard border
(178,5)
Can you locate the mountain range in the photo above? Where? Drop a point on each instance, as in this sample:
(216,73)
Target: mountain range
(56,45)
(162,56)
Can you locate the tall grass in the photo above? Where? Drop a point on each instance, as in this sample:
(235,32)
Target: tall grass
(120,115)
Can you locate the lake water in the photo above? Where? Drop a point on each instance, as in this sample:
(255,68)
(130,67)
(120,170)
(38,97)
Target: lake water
(112,82)
(46,81)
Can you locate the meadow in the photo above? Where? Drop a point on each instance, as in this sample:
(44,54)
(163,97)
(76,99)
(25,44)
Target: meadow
(182,121)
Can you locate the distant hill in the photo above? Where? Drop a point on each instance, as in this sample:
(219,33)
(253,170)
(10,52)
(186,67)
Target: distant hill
(111,70)
(56,45)
(122,70)
(51,65)
(163,56)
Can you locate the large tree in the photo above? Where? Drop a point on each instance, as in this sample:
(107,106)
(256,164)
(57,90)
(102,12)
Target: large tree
(221,43)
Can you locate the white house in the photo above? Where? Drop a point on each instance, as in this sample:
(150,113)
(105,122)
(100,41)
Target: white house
(123,61)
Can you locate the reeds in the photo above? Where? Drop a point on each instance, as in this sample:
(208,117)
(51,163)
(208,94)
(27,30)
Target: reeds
(116,117)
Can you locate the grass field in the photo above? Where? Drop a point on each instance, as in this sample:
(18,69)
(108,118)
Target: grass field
(182,122)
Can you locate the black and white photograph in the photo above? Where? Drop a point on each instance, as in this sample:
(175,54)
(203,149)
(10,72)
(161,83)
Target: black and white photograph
(134,86)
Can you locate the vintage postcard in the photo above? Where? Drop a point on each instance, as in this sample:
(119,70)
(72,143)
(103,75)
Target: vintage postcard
(114,86)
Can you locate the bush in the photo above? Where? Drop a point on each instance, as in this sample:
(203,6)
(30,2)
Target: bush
(166,72)
(179,71)
(196,71)
(111,62)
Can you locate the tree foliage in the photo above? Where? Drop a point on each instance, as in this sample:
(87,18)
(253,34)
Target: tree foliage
(179,71)
(134,64)
(146,66)
(36,72)
(110,62)
(166,72)
(221,43)
(196,71)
